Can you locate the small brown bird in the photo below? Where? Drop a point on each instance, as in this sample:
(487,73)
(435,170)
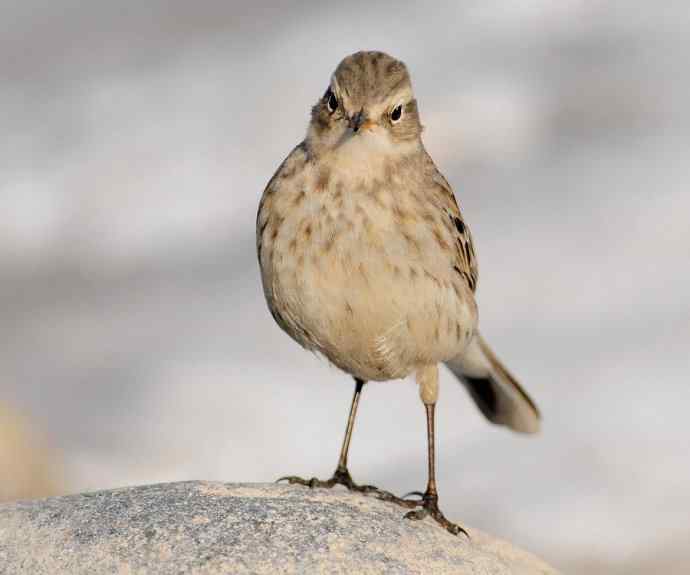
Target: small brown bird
(365,258)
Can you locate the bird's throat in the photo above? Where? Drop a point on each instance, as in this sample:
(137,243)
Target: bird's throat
(365,155)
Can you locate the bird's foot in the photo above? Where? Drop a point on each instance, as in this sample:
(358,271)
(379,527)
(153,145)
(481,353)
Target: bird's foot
(342,477)
(429,506)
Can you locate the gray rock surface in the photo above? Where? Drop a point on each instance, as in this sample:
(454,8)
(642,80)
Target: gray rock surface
(202,527)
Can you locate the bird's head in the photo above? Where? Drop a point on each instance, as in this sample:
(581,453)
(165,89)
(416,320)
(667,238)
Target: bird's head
(369,102)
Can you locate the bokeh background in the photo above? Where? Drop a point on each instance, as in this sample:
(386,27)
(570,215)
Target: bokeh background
(135,141)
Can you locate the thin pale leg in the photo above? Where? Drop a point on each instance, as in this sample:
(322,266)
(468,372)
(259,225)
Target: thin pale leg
(428,388)
(342,476)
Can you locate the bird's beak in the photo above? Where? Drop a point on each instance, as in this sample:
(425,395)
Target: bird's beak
(360,121)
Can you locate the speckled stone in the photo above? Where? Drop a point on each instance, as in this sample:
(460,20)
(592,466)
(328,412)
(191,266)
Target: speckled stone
(202,527)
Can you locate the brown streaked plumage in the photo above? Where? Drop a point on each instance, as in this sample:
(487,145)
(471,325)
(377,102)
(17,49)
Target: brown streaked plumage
(365,257)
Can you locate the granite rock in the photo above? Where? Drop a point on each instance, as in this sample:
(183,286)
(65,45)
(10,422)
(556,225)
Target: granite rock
(210,528)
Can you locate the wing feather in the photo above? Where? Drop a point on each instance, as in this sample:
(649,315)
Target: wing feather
(465,257)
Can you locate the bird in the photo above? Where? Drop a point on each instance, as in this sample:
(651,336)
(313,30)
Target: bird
(366,259)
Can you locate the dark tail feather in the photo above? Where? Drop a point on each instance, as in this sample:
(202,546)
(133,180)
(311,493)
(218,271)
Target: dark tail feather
(495,391)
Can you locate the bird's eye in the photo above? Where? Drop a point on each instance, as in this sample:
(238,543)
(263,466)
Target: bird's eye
(396,114)
(331,101)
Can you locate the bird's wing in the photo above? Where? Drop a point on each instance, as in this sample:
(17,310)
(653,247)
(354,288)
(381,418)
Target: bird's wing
(290,165)
(268,220)
(441,194)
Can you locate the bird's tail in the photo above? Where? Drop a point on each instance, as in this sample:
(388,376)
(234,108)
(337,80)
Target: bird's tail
(495,391)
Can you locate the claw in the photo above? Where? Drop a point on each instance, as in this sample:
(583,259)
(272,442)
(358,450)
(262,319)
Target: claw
(430,507)
(389,497)
(417,493)
(293,479)
(288,478)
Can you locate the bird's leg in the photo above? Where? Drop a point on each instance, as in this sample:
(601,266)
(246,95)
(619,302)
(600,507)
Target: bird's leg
(428,382)
(341,472)
(342,476)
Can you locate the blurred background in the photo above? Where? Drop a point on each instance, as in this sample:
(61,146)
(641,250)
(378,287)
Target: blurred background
(135,346)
